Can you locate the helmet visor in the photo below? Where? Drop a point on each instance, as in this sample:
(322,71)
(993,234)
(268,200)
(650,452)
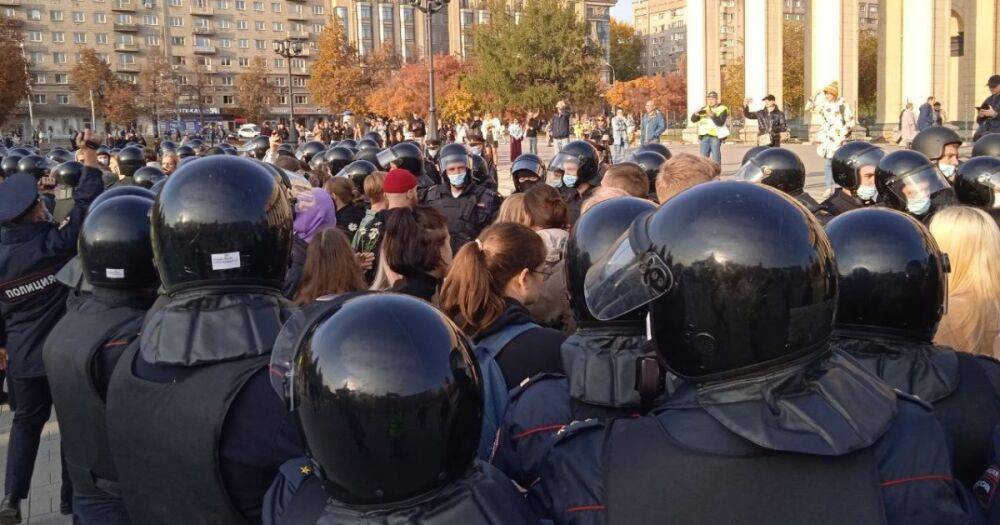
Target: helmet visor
(567,164)
(627,277)
(386,157)
(454,160)
(751,172)
(528,164)
(869,157)
(919,184)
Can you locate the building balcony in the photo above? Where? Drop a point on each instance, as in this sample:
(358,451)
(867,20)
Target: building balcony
(203,31)
(126,28)
(204,50)
(10,2)
(127,68)
(124,6)
(300,35)
(298,17)
(298,1)
(202,10)
(126,48)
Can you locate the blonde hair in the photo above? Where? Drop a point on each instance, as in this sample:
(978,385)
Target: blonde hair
(514,210)
(971,238)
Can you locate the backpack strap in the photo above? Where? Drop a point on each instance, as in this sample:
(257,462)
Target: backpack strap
(498,340)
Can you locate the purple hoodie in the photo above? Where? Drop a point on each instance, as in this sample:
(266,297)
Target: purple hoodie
(314,212)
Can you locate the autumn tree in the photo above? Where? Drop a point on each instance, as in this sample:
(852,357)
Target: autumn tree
(14,79)
(867,73)
(121,104)
(626,51)
(666,91)
(793,59)
(155,85)
(733,81)
(337,81)
(408,91)
(198,86)
(541,58)
(254,93)
(92,76)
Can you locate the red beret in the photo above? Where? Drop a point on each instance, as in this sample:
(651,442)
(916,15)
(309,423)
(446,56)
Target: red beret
(399,180)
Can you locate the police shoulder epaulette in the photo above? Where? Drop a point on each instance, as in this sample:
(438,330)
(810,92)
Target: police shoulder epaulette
(533,380)
(913,399)
(575,428)
(296,471)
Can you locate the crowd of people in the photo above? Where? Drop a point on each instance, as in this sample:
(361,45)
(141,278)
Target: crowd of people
(364,330)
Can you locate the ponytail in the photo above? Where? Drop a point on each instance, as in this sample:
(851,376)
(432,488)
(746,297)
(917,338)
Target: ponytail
(473,292)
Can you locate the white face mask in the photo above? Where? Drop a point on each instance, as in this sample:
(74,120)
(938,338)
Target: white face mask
(948,170)
(867,193)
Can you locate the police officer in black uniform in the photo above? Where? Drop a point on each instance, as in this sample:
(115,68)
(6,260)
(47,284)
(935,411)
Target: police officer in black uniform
(650,162)
(577,161)
(357,172)
(148,176)
(893,292)
(391,402)
(83,348)
(337,158)
(129,160)
(32,249)
(907,181)
(67,176)
(987,146)
(600,359)
(256,147)
(468,206)
(977,183)
(782,169)
(940,145)
(408,156)
(853,167)
(526,171)
(196,431)
(769,425)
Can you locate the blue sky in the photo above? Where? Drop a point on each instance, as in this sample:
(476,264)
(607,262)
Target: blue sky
(622,11)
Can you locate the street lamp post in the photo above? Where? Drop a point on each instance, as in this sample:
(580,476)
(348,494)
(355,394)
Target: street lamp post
(290,48)
(429,7)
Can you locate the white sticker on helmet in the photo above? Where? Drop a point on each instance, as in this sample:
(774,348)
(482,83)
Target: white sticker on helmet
(114,273)
(225,261)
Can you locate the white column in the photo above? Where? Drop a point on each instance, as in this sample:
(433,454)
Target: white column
(696,55)
(918,51)
(824,44)
(755,48)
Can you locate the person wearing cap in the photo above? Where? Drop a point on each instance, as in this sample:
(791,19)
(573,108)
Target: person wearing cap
(836,120)
(32,249)
(989,111)
(559,126)
(399,189)
(711,127)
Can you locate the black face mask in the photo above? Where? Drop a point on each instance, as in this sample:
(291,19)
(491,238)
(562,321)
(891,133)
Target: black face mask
(523,185)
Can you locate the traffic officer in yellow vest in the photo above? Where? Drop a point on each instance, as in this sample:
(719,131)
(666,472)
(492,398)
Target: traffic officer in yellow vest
(711,125)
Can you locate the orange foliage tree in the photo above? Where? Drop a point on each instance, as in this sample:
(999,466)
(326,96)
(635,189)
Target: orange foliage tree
(668,92)
(407,91)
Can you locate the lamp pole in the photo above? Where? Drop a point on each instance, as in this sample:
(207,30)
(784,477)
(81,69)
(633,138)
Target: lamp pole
(429,7)
(290,48)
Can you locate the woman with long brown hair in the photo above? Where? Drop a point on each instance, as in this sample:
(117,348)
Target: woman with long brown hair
(490,282)
(416,251)
(548,216)
(331,267)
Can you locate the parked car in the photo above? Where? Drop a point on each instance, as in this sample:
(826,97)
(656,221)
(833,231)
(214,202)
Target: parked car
(248,131)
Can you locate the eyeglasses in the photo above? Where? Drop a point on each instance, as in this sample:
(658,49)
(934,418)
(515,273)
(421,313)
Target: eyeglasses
(543,272)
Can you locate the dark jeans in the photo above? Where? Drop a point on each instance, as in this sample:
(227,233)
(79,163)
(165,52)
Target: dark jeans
(104,509)
(32,404)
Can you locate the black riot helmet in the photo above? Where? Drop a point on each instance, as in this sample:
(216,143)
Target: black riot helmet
(9,164)
(349,143)
(214,150)
(589,239)
(657,147)
(364,144)
(751,153)
(778,168)
(452,155)
(390,399)
(931,141)
(257,147)
(404,155)
(370,155)
(650,162)
(526,171)
(576,158)
(318,163)
(337,157)
(115,250)
(60,155)
(374,137)
(167,145)
(307,150)
(21,151)
(977,182)
(118,191)
(480,172)
(907,181)
(850,158)
(892,275)
(147,176)
(195,144)
(35,165)
(185,151)
(68,174)
(987,146)
(357,172)
(221,220)
(130,159)
(739,278)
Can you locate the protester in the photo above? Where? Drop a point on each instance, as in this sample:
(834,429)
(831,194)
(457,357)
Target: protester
(486,290)
(988,116)
(770,121)
(683,171)
(548,218)
(619,134)
(330,268)
(653,124)
(602,194)
(531,128)
(349,211)
(516,135)
(513,210)
(559,127)
(926,117)
(711,127)
(836,120)
(416,251)
(314,212)
(627,177)
(971,238)
(907,125)
(377,201)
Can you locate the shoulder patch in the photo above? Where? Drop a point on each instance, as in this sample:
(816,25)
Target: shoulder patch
(533,380)
(913,399)
(575,428)
(296,471)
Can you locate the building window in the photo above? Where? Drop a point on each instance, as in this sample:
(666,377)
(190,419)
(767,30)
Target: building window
(277,26)
(258,6)
(225,61)
(100,18)
(62,99)
(79,17)
(366,44)
(241,24)
(34,36)
(260,44)
(101,38)
(259,25)
(227,99)
(79,38)
(279,62)
(225,24)
(176,21)
(38,98)
(299,63)
(244,43)
(36,57)
(241,5)
(126,59)
(227,80)
(151,20)
(123,18)
(341,14)
(279,81)
(282,100)
(301,99)
(56,16)
(317,9)
(407,35)
(275,7)
(152,40)
(37,78)
(958,45)
(34,14)
(62,78)
(386,15)
(177,40)
(244,61)
(299,81)
(225,43)
(178,60)
(58,37)
(58,58)
(176,3)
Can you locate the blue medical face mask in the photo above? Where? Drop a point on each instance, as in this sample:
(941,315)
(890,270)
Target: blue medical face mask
(948,170)
(569,180)
(867,193)
(918,206)
(476,150)
(457,179)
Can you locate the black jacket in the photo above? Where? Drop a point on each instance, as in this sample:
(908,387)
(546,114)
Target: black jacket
(467,215)
(298,261)
(769,122)
(574,200)
(31,300)
(421,285)
(536,351)
(837,204)
(559,127)
(348,215)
